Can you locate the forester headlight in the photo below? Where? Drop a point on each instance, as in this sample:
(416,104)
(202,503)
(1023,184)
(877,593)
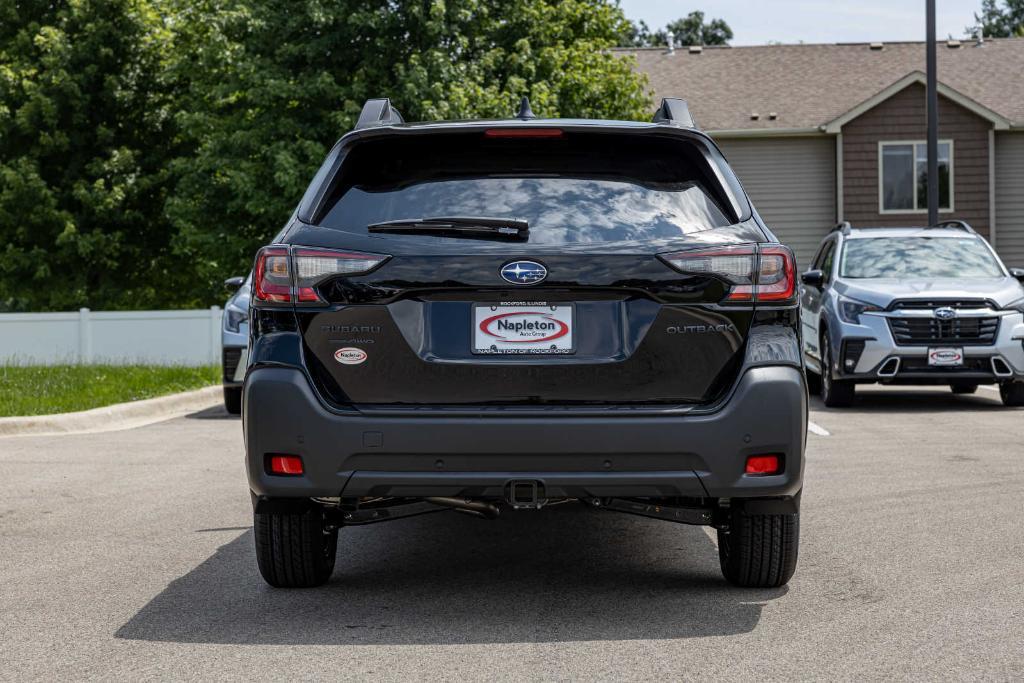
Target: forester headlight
(1017,305)
(234,317)
(850,309)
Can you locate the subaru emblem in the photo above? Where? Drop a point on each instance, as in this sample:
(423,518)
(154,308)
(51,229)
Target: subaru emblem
(945,313)
(523,272)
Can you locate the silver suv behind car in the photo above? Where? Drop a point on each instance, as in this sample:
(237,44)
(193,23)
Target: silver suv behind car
(912,306)
(235,341)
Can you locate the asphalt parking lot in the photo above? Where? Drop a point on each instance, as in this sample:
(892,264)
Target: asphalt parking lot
(128,555)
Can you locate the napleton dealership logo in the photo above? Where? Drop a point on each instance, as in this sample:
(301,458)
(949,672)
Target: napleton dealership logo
(350,355)
(524,327)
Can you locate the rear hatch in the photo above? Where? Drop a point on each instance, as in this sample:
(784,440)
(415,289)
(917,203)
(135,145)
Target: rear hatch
(526,266)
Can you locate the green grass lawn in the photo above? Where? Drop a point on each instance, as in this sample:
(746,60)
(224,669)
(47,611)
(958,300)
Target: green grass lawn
(44,390)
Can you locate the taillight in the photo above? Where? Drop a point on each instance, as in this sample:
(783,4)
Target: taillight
(272,280)
(765,274)
(776,278)
(290,275)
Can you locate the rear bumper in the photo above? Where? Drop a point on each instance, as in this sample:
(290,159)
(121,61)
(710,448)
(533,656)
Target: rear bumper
(700,455)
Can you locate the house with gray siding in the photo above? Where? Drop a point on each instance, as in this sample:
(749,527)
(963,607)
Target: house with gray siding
(824,133)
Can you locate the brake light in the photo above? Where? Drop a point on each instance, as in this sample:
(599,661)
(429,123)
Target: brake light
(524,133)
(290,275)
(753,274)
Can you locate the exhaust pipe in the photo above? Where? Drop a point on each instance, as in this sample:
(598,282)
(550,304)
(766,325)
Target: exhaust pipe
(477,508)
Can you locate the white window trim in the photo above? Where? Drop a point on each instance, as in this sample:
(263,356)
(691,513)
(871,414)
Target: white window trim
(881,187)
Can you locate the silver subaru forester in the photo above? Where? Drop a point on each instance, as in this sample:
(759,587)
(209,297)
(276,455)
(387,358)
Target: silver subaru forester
(912,306)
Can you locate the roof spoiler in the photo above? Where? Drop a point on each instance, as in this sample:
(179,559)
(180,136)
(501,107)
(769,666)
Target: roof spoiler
(675,111)
(378,113)
(955,224)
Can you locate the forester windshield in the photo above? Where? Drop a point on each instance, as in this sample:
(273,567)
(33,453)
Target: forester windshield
(918,258)
(573,187)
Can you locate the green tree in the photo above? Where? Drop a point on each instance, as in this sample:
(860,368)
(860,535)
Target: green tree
(271,85)
(85,139)
(1000,22)
(689,30)
(692,30)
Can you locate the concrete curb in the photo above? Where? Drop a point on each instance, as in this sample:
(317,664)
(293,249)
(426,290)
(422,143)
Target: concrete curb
(115,417)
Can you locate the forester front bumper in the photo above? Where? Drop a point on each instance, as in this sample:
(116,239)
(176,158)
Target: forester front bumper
(695,454)
(868,351)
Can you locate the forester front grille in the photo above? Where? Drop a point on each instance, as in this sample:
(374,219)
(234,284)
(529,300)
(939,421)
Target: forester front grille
(955,332)
(930,304)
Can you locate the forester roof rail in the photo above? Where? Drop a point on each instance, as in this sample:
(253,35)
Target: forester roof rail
(674,110)
(843,227)
(953,223)
(378,112)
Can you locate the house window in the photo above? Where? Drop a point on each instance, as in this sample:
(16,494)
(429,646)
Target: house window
(903,176)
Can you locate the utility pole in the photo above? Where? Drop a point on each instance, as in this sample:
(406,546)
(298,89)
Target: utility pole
(933,119)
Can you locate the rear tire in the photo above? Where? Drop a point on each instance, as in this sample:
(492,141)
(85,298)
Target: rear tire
(293,549)
(835,393)
(963,387)
(759,551)
(1012,394)
(233,400)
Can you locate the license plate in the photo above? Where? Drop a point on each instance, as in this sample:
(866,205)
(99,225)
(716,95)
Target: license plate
(523,329)
(946,357)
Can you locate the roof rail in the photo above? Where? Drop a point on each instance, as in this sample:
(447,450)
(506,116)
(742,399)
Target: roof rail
(843,227)
(961,225)
(675,111)
(378,113)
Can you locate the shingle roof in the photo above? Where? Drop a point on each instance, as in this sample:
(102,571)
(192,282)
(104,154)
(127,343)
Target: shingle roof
(810,85)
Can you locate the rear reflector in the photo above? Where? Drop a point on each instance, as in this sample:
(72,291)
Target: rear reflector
(285,465)
(523,133)
(290,275)
(766,273)
(762,464)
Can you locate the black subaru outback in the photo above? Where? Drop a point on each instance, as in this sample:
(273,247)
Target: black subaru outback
(505,314)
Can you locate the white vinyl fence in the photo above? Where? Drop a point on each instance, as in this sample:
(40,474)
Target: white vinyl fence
(117,337)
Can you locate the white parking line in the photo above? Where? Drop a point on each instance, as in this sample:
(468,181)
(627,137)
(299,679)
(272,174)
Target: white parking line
(815,428)
(985,386)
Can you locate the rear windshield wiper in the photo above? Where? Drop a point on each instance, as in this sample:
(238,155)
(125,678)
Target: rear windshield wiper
(466,227)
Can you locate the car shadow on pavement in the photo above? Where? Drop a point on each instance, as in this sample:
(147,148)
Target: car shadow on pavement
(563,574)
(212,413)
(917,400)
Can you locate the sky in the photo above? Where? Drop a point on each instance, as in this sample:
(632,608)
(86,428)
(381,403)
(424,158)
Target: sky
(828,21)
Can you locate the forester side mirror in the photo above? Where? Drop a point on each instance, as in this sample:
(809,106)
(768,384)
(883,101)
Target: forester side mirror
(1017,273)
(234,282)
(814,278)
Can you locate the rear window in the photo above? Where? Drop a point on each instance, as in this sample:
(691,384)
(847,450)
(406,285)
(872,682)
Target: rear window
(581,187)
(918,257)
